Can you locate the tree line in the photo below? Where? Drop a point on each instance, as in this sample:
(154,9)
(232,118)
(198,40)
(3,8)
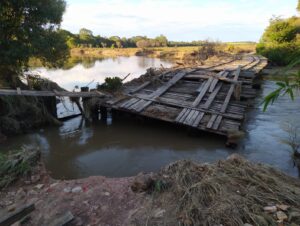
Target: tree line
(86,38)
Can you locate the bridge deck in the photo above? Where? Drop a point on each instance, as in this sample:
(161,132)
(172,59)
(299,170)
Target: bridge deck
(211,98)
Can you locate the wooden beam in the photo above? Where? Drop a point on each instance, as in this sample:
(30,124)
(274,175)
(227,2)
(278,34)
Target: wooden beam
(231,90)
(62,220)
(8,218)
(140,87)
(18,92)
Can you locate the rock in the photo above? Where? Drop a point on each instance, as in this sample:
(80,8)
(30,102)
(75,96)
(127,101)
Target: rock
(261,221)
(281,216)
(77,189)
(8,203)
(11,208)
(39,186)
(20,193)
(159,213)
(294,215)
(32,192)
(270,209)
(106,193)
(53,185)
(35,178)
(142,182)
(67,190)
(248,224)
(283,207)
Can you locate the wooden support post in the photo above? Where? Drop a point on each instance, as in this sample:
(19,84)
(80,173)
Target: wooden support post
(237,91)
(86,108)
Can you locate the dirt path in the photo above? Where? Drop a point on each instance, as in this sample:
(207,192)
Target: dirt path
(92,201)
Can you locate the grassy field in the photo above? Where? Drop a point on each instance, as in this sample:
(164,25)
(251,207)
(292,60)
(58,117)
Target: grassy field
(159,52)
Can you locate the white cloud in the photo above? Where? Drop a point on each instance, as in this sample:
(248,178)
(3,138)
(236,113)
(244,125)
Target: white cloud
(230,20)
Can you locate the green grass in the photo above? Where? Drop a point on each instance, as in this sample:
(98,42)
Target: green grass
(16,164)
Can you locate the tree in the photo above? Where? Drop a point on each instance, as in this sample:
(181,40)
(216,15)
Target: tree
(29,29)
(163,41)
(85,34)
(298,7)
(280,41)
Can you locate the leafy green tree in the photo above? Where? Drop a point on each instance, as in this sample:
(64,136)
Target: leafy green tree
(280,42)
(163,41)
(85,34)
(29,29)
(281,31)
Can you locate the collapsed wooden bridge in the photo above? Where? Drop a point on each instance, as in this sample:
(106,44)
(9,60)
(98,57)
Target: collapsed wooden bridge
(211,98)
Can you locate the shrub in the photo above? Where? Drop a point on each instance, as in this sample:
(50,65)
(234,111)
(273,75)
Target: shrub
(112,84)
(280,54)
(280,42)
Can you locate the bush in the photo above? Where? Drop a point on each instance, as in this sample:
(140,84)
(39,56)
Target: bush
(112,84)
(280,42)
(280,54)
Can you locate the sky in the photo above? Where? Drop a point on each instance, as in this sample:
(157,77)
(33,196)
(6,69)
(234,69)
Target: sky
(180,20)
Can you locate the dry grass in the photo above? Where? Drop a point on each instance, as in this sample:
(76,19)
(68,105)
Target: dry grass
(159,52)
(230,193)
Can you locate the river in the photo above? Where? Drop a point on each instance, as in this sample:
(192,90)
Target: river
(125,148)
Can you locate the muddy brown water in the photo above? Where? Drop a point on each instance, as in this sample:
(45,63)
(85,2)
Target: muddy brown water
(126,147)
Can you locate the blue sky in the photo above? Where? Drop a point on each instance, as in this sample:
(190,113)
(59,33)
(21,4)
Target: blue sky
(186,20)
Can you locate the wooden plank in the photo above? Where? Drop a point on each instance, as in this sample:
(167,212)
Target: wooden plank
(180,114)
(143,106)
(187,119)
(140,87)
(197,76)
(211,121)
(215,81)
(133,106)
(168,103)
(129,102)
(165,87)
(62,220)
(217,122)
(201,87)
(8,218)
(198,119)
(9,92)
(115,101)
(193,118)
(203,92)
(230,92)
(139,105)
(184,116)
(212,97)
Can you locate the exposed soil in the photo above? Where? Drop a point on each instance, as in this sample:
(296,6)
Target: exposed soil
(92,201)
(230,192)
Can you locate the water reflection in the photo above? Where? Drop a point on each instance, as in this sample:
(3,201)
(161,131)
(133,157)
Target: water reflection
(81,71)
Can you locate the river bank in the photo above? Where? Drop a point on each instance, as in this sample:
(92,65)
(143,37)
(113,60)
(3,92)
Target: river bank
(232,192)
(175,53)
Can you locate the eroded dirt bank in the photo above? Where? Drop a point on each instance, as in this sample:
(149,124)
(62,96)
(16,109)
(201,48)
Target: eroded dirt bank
(229,192)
